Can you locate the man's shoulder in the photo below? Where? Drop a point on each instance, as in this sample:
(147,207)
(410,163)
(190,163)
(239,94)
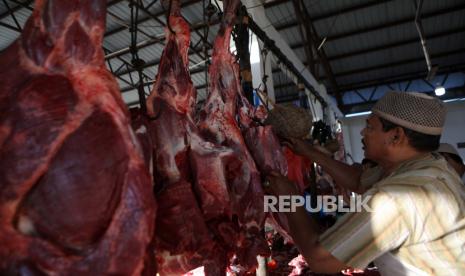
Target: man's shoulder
(423,171)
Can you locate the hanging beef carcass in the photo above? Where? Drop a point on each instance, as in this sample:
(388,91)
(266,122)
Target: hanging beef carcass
(218,123)
(264,145)
(183,239)
(75,196)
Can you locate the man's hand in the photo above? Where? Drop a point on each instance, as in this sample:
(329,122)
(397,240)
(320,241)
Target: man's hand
(303,230)
(277,184)
(300,147)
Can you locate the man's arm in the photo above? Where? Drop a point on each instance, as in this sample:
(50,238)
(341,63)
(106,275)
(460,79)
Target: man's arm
(304,232)
(355,240)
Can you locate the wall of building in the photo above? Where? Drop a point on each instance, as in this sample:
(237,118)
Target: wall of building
(454,130)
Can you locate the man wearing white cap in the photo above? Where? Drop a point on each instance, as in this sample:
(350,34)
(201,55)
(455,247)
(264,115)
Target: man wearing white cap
(417,221)
(453,158)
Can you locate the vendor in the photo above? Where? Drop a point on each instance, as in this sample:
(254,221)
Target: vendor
(417,221)
(453,158)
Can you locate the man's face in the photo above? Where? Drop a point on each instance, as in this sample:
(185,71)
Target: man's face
(374,139)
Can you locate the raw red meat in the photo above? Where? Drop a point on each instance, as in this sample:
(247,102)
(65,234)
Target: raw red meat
(140,125)
(183,239)
(75,196)
(208,187)
(299,169)
(219,125)
(265,148)
(269,156)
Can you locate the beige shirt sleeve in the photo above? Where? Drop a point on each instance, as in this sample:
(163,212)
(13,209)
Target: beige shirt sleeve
(360,237)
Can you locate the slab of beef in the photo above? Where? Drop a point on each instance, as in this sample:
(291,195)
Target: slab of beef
(140,124)
(266,149)
(269,156)
(183,239)
(75,196)
(299,169)
(218,124)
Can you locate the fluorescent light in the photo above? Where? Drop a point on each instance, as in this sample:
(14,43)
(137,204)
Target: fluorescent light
(439,91)
(357,114)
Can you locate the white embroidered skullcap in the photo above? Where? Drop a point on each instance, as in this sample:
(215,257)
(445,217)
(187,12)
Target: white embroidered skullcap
(412,110)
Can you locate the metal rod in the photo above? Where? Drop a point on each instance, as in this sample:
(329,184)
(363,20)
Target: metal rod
(14,9)
(421,33)
(12,15)
(445,79)
(24,5)
(408,85)
(138,46)
(10,27)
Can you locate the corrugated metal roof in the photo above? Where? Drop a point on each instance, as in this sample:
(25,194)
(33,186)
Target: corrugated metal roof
(367,41)
(281,14)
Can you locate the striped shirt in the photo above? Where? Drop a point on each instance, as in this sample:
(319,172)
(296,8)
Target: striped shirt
(416,225)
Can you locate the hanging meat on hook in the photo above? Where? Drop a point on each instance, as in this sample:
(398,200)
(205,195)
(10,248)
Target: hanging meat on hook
(75,196)
(183,239)
(218,123)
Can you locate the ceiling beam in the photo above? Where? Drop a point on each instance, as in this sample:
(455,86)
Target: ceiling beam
(129,88)
(8,26)
(25,4)
(405,20)
(408,19)
(367,106)
(397,44)
(156,40)
(305,33)
(312,34)
(335,13)
(153,40)
(143,45)
(288,98)
(129,70)
(128,65)
(404,77)
(140,45)
(135,88)
(16,8)
(145,66)
(390,45)
(285,85)
(397,63)
(273,3)
(147,18)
